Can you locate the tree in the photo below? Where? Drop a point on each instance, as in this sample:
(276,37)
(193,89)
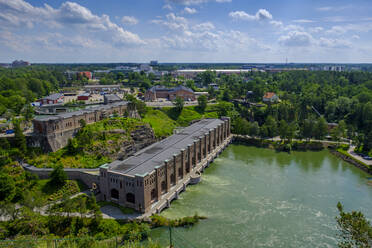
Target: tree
(202,103)
(283,129)
(354,229)
(58,176)
(367,144)
(82,123)
(307,129)
(28,112)
(241,126)
(19,137)
(271,126)
(178,104)
(226,95)
(71,146)
(255,129)
(321,128)
(7,188)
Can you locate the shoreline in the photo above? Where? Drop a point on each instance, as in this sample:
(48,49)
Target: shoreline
(299,146)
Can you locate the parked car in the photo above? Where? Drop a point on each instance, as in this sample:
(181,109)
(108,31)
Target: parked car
(367,158)
(9,131)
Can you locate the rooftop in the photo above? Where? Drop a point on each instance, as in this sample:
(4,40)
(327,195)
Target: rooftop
(81,112)
(146,160)
(53,97)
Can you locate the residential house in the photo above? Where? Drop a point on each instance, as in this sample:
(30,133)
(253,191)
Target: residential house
(270,97)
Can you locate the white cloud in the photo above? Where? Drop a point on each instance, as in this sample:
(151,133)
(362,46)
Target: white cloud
(129,20)
(197,2)
(168,7)
(262,14)
(334,8)
(303,21)
(277,24)
(334,43)
(69,17)
(316,29)
(189,10)
(296,39)
(172,22)
(204,26)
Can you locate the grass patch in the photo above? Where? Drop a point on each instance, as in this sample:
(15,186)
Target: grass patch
(160,122)
(189,114)
(124,210)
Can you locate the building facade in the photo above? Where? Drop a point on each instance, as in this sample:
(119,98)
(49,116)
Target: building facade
(156,92)
(145,179)
(55,130)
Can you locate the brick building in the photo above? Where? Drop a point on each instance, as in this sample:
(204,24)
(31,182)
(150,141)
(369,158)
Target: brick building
(145,179)
(57,129)
(156,92)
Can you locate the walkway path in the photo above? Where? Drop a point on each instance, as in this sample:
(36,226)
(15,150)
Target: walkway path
(357,157)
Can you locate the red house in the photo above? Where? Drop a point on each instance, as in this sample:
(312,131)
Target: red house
(83,97)
(86,74)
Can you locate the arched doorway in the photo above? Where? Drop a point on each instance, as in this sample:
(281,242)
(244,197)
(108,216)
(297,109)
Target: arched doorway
(115,194)
(153,195)
(131,198)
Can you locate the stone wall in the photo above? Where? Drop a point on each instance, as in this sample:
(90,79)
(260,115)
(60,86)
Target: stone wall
(87,176)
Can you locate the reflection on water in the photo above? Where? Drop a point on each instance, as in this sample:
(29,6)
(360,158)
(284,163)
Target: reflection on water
(259,198)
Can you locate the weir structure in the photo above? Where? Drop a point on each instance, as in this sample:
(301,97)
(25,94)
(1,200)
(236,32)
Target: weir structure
(150,179)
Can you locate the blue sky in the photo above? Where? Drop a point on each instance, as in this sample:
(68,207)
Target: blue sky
(245,31)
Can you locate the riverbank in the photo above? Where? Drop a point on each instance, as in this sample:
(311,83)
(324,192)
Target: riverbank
(280,145)
(297,145)
(347,158)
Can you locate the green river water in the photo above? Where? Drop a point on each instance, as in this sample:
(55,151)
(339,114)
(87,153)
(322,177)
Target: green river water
(256,197)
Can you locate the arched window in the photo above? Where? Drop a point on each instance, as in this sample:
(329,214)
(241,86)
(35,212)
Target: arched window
(153,195)
(131,198)
(173,179)
(163,186)
(115,194)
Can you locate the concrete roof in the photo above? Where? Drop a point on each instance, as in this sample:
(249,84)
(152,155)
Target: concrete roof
(145,161)
(53,97)
(83,111)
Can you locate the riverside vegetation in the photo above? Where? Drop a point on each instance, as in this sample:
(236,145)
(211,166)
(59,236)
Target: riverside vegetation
(343,98)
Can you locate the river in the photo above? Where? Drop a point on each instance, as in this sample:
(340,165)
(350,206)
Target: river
(256,197)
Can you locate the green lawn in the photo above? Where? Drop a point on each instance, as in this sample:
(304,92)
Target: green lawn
(160,122)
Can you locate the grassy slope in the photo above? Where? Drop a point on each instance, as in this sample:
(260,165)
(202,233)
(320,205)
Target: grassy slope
(160,122)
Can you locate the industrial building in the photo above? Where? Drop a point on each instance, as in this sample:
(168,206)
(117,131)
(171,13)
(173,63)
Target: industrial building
(150,179)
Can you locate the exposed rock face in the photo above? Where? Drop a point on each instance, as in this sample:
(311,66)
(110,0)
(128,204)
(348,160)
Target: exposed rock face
(141,137)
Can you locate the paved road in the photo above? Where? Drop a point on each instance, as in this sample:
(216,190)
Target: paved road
(357,157)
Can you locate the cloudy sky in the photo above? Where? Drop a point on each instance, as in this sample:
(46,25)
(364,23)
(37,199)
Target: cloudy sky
(186,30)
